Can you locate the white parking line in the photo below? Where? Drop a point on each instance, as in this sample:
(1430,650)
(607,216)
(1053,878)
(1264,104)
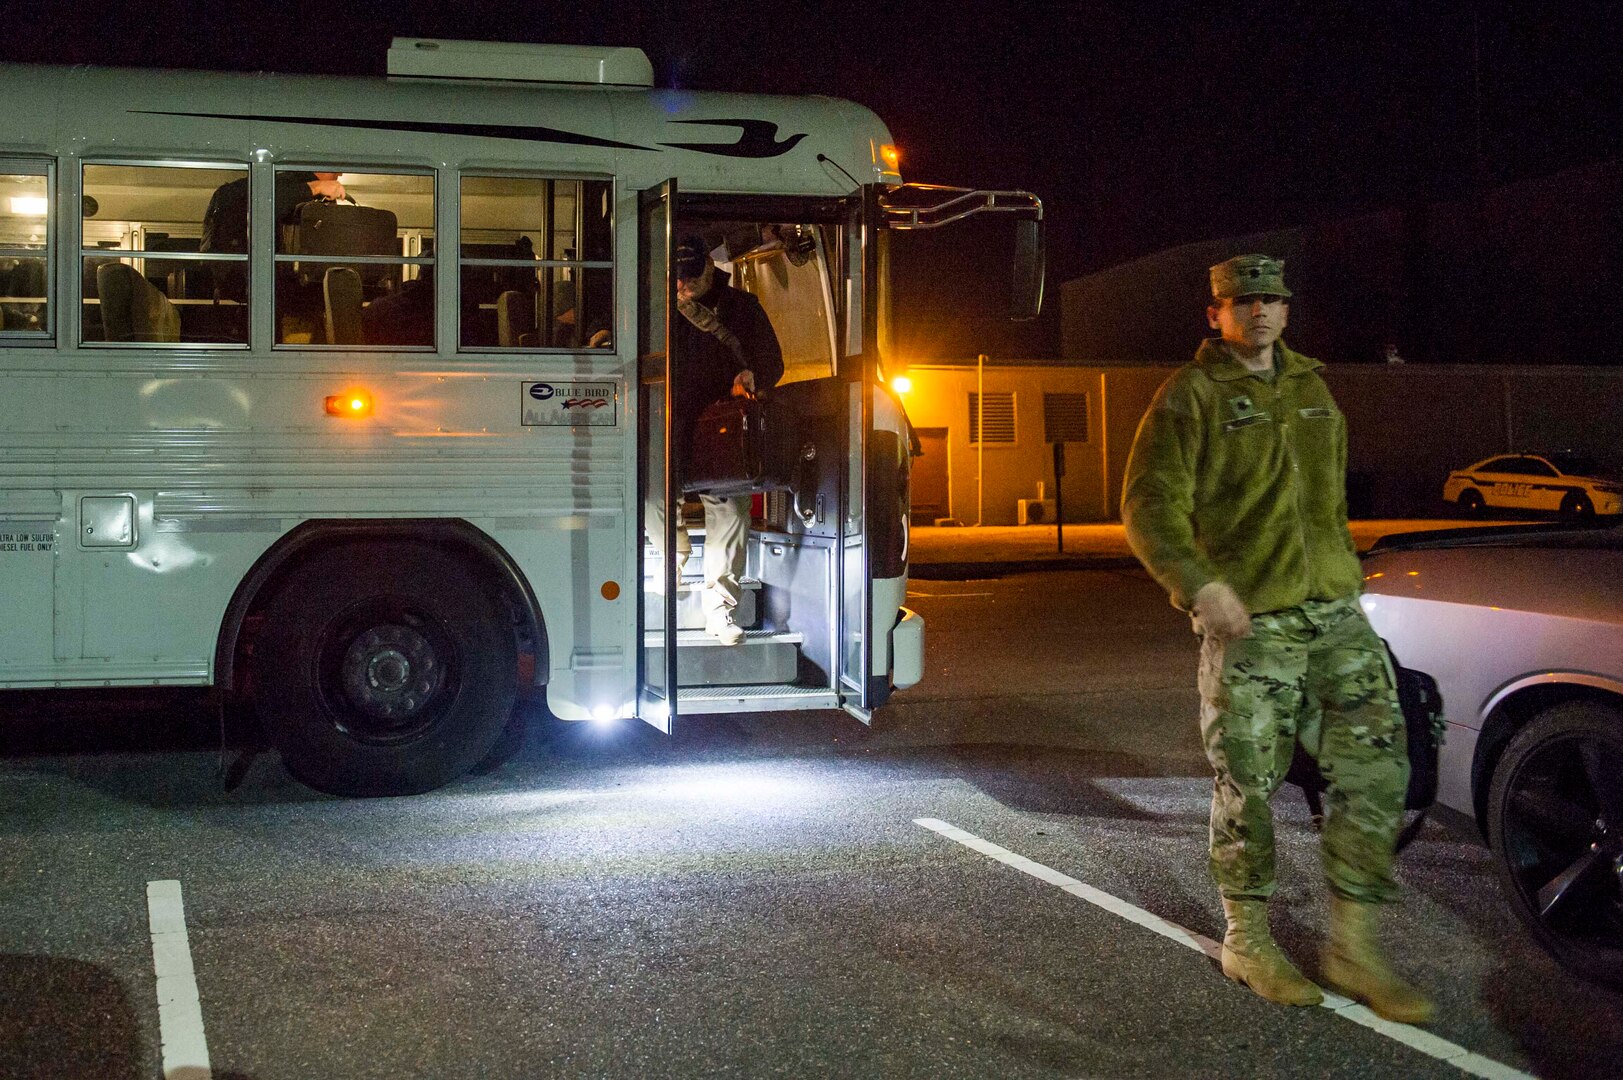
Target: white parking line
(1413,1037)
(180,1014)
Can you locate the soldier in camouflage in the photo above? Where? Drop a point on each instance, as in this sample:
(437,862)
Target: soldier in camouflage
(1235,500)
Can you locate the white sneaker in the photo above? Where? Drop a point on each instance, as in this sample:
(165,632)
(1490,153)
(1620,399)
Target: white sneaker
(720,625)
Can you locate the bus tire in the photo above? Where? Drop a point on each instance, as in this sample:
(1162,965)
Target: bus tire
(383,669)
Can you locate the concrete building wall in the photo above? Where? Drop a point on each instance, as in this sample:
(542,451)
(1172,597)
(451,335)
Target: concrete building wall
(986,484)
(1130,392)
(1407,427)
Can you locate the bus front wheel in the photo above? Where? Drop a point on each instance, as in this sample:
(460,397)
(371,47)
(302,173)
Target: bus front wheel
(383,669)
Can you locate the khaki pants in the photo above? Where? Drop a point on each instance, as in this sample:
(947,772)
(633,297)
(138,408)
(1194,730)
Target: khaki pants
(726,535)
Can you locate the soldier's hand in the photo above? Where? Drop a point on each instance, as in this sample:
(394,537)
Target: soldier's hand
(1219,611)
(744,384)
(328,189)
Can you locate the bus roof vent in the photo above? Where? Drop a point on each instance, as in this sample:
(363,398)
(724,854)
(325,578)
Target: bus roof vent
(596,65)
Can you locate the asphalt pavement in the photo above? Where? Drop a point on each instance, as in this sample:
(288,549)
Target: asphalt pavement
(755,895)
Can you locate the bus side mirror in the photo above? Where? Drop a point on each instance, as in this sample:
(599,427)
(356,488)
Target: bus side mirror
(1026,297)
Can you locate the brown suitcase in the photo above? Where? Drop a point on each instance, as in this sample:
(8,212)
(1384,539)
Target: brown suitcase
(741,446)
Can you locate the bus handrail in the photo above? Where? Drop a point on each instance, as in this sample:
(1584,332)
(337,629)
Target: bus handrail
(953,208)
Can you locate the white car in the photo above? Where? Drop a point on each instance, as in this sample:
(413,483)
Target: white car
(1522,627)
(1554,483)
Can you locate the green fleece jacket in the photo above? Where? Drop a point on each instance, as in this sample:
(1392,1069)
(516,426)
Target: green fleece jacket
(1241,478)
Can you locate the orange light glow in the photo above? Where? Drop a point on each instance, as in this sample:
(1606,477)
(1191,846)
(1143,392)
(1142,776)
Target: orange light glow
(901,384)
(1414,573)
(354,403)
(891,156)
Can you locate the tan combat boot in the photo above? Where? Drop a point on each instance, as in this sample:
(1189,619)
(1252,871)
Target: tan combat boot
(1251,958)
(1354,964)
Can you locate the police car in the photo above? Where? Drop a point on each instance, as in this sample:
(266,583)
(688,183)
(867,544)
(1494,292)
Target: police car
(1554,483)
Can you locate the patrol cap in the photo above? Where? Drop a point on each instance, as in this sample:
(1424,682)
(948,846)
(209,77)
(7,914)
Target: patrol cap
(1249,275)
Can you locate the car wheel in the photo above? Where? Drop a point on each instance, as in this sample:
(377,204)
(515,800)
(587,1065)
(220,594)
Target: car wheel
(1555,822)
(384,669)
(1577,505)
(1471,501)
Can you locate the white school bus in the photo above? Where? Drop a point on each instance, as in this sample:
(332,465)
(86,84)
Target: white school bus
(343,396)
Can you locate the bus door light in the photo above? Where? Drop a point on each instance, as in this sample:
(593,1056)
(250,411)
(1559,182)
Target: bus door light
(356,403)
(901,384)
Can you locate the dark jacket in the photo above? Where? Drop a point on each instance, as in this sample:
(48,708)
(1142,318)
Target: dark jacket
(706,367)
(1237,477)
(225,224)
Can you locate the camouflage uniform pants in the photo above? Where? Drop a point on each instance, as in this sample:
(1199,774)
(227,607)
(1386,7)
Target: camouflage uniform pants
(1320,671)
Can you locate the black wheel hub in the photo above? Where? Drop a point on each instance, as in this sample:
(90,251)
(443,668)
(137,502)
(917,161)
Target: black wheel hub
(385,678)
(1565,830)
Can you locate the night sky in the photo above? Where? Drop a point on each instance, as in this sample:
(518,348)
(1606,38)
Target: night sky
(1141,126)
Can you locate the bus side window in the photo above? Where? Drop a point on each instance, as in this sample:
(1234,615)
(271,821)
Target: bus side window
(25,250)
(537,263)
(146,275)
(354,258)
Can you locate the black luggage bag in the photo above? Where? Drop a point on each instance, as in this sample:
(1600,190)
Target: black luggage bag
(1422,706)
(333,228)
(743,445)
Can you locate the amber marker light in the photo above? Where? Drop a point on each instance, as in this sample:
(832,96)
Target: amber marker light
(354,403)
(891,156)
